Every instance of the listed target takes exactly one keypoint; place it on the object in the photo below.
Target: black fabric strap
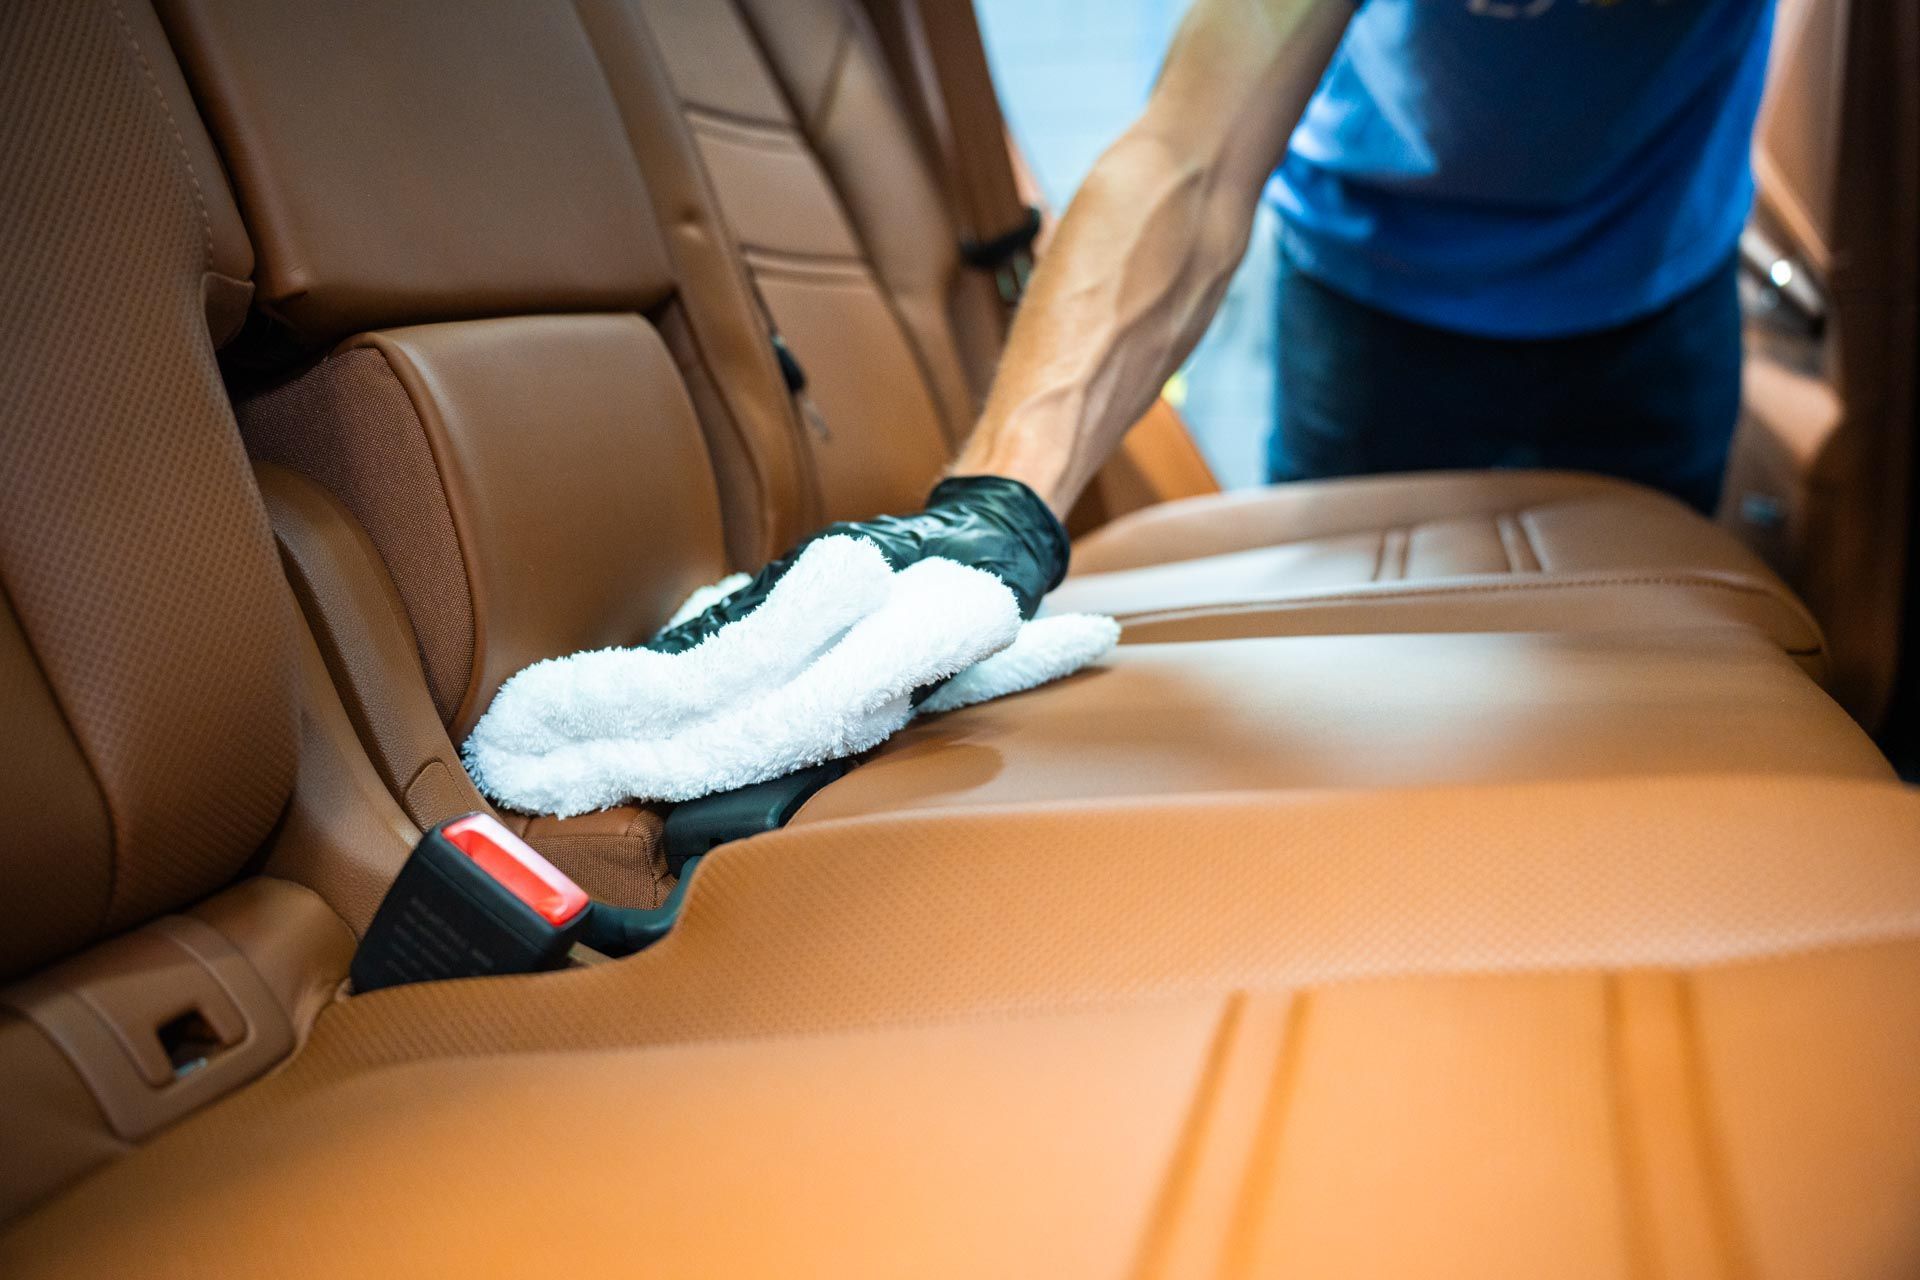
(991, 255)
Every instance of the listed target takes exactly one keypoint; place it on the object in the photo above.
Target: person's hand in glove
(987, 522)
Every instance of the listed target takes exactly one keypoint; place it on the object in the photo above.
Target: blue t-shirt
(1527, 168)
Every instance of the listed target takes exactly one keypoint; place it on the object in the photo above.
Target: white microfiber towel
(611, 694)
(825, 668)
(1046, 650)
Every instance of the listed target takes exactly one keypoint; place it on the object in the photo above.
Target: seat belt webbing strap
(937, 56)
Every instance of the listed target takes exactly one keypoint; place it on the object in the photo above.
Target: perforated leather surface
(1580, 1054)
(1615, 1028)
(347, 424)
(133, 549)
(921, 917)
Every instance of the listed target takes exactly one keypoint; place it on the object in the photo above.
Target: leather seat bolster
(828, 59)
(577, 479)
(918, 916)
(536, 486)
(363, 635)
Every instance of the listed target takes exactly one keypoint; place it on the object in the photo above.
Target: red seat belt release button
(519, 869)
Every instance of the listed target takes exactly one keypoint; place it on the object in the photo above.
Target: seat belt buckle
(472, 900)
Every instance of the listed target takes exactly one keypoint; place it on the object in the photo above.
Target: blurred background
(1072, 74)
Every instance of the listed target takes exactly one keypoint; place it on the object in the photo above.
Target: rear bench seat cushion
(1649, 1026)
(1371, 711)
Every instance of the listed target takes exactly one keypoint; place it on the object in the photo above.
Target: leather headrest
(425, 161)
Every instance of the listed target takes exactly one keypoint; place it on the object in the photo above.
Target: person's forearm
(1149, 245)
(1126, 290)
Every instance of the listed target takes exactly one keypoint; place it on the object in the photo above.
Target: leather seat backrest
(523, 448)
(841, 223)
(147, 637)
(885, 160)
(1820, 476)
(1797, 136)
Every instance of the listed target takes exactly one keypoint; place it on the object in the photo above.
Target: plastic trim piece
(700, 826)
(106, 1010)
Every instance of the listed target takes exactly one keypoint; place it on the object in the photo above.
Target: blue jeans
(1362, 392)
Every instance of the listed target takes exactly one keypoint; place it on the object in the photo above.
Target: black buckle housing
(699, 826)
(447, 917)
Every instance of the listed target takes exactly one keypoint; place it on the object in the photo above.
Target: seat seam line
(1240, 608)
(1476, 588)
(830, 95)
(801, 262)
(1262, 1165)
(1395, 549)
(1190, 1147)
(1716, 1182)
(1146, 522)
(1522, 556)
(1523, 520)
(179, 138)
(1635, 1223)
(769, 131)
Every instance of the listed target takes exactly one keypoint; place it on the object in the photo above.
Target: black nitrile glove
(988, 522)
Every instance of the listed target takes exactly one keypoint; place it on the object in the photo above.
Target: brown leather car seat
(508, 407)
(979, 1042)
(149, 647)
(839, 213)
(534, 484)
